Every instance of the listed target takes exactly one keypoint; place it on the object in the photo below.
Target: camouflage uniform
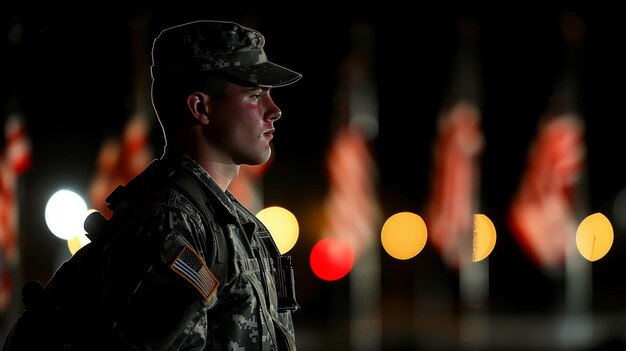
(245, 316)
(148, 280)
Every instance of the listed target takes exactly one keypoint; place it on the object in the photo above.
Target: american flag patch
(192, 268)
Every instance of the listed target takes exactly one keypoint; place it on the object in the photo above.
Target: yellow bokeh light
(404, 235)
(594, 237)
(484, 238)
(75, 243)
(283, 226)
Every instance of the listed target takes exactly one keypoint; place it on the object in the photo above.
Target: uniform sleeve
(158, 283)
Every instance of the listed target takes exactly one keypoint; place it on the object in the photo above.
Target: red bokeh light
(331, 259)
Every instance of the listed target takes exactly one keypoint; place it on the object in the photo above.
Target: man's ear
(198, 104)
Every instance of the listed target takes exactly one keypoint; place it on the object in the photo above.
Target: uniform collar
(223, 198)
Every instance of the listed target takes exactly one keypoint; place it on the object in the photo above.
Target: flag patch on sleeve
(189, 265)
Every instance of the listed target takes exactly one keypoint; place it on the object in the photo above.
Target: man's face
(241, 124)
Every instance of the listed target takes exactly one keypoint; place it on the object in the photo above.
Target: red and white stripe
(352, 210)
(15, 160)
(542, 213)
(8, 212)
(453, 199)
(18, 146)
(136, 150)
(120, 160)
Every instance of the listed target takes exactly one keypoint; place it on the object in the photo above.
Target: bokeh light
(331, 259)
(404, 235)
(594, 237)
(283, 226)
(76, 243)
(484, 239)
(65, 214)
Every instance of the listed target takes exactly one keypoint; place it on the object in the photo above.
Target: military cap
(217, 45)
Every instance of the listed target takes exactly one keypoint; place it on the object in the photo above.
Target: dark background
(71, 75)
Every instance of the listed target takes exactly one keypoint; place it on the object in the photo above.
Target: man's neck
(222, 173)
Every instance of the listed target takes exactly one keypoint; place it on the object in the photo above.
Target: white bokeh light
(65, 214)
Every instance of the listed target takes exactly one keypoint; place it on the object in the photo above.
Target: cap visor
(265, 75)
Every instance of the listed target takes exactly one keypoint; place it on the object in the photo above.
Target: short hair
(169, 95)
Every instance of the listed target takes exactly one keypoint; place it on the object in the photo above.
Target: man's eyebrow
(258, 88)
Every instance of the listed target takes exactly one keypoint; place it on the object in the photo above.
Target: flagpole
(456, 193)
(358, 221)
(577, 326)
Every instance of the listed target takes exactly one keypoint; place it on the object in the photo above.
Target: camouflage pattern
(245, 316)
(217, 45)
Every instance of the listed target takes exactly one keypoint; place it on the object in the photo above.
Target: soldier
(181, 264)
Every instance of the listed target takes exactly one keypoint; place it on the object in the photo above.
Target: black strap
(187, 183)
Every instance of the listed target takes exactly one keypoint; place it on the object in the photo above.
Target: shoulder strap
(186, 183)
